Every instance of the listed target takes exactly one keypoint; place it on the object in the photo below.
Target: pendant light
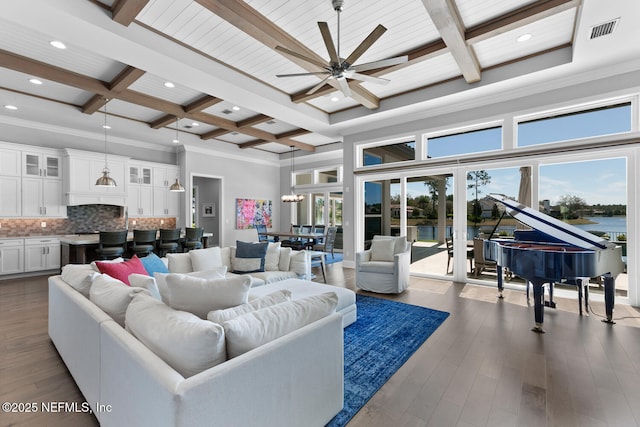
(105, 180)
(176, 187)
(292, 198)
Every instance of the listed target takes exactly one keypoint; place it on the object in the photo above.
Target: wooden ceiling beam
(245, 18)
(446, 18)
(293, 133)
(254, 120)
(254, 143)
(163, 121)
(123, 80)
(214, 134)
(201, 103)
(125, 11)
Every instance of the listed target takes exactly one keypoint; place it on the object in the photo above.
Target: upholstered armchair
(384, 268)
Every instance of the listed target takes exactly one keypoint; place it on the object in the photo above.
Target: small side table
(318, 256)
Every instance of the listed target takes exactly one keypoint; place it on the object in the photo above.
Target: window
(329, 176)
(581, 124)
(303, 178)
(391, 153)
(474, 141)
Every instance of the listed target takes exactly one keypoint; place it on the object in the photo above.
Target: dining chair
(144, 242)
(112, 244)
(169, 241)
(329, 241)
(449, 244)
(192, 238)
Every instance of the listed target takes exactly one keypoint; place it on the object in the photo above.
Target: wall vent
(271, 122)
(226, 111)
(603, 29)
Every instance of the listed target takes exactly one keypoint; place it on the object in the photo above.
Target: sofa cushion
(200, 296)
(285, 259)
(382, 249)
(95, 267)
(249, 257)
(113, 296)
(255, 281)
(145, 282)
(206, 259)
(79, 277)
(179, 263)
(272, 276)
(161, 278)
(256, 328)
(186, 343)
(122, 270)
(298, 262)
(272, 258)
(221, 316)
(153, 263)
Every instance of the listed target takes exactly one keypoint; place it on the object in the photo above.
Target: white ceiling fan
(340, 68)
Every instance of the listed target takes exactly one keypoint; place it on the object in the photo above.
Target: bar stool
(144, 242)
(112, 244)
(169, 241)
(192, 238)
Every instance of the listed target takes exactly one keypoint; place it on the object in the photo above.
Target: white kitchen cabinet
(42, 197)
(165, 202)
(82, 169)
(10, 196)
(141, 175)
(164, 176)
(41, 253)
(10, 162)
(11, 256)
(37, 164)
(140, 200)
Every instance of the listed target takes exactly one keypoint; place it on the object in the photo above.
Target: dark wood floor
(482, 367)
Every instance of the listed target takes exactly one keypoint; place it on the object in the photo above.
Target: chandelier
(292, 197)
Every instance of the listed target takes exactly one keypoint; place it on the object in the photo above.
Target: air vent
(271, 122)
(226, 111)
(234, 133)
(603, 29)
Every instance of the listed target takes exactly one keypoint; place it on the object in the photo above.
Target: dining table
(291, 234)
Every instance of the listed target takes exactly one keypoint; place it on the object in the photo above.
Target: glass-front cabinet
(41, 165)
(140, 175)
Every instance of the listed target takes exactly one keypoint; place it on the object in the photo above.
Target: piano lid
(551, 226)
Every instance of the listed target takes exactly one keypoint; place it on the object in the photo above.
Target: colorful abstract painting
(250, 212)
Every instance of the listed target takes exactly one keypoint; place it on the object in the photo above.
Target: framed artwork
(250, 212)
(208, 209)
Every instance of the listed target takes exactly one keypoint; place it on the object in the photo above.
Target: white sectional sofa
(296, 379)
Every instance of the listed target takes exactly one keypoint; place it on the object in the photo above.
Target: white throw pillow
(256, 328)
(113, 296)
(285, 259)
(272, 258)
(179, 263)
(200, 296)
(187, 344)
(145, 282)
(382, 249)
(205, 259)
(95, 267)
(221, 316)
(225, 254)
(298, 262)
(79, 277)
(161, 278)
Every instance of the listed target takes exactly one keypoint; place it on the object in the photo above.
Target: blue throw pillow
(249, 257)
(153, 264)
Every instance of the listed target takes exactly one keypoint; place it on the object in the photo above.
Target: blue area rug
(385, 335)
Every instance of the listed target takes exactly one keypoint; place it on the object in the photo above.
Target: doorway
(206, 206)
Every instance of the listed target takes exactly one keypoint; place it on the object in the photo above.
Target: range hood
(82, 168)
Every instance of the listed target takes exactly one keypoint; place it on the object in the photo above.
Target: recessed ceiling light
(35, 81)
(335, 99)
(235, 108)
(169, 84)
(106, 127)
(57, 44)
(194, 124)
(176, 141)
(524, 38)
(10, 107)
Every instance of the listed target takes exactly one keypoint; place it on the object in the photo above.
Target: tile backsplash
(80, 219)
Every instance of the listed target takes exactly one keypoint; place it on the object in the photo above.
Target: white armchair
(384, 268)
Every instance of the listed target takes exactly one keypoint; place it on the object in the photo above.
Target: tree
(475, 180)
(572, 205)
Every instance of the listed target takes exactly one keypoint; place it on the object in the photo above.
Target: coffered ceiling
(222, 60)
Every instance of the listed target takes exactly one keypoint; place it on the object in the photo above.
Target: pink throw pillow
(122, 270)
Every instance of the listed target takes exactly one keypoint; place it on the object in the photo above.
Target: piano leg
(538, 305)
(609, 295)
(550, 303)
(500, 284)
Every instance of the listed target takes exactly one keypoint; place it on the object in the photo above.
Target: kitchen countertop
(75, 239)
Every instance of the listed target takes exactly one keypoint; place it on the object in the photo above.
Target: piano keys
(553, 252)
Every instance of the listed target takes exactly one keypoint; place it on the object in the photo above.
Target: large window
(581, 124)
(391, 153)
(474, 141)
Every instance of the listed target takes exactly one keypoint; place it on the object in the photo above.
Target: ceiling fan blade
(328, 42)
(368, 79)
(380, 64)
(366, 44)
(318, 86)
(304, 58)
(344, 86)
(319, 73)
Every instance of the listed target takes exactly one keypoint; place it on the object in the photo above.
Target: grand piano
(552, 251)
